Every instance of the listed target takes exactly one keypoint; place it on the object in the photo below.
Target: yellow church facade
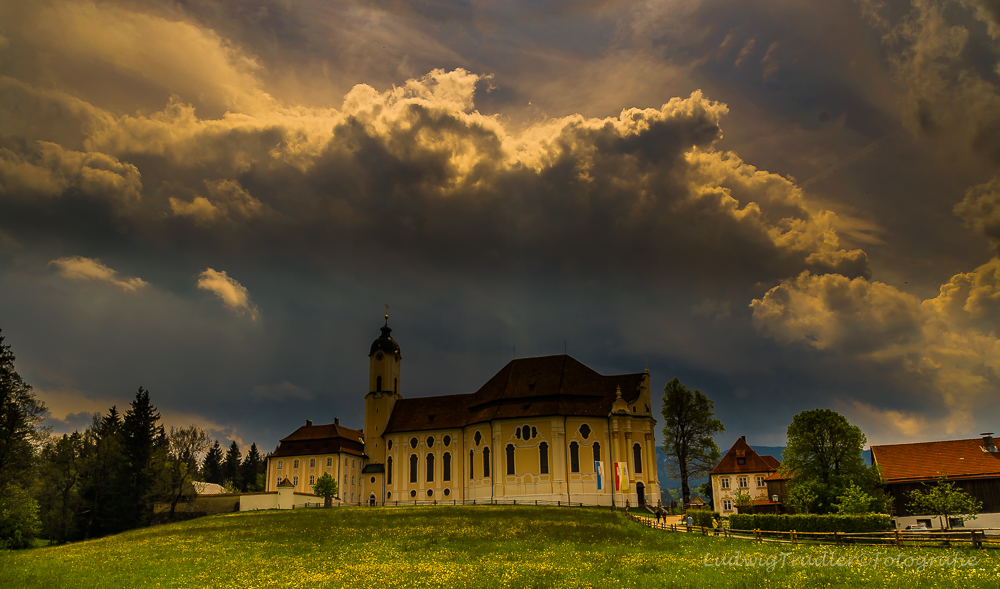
(537, 430)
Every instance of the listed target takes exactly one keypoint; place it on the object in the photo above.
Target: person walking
(689, 521)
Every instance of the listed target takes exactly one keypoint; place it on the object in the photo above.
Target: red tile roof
(923, 461)
(331, 438)
(753, 462)
(525, 387)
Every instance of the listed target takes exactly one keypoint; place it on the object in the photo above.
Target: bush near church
(867, 522)
(703, 517)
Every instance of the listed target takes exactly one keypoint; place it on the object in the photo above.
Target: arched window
(517, 432)
(478, 437)
(534, 432)
(446, 466)
(388, 470)
(597, 452)
(543, 458)
(413, 468)
(378, 383)
(510, 459)
(486, 462)
(430, 468)
(637, 458)
(574, 457)
(472, 464)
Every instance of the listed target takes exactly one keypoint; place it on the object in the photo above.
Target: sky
(786, 205)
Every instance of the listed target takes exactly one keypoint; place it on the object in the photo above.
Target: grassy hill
(474, 546)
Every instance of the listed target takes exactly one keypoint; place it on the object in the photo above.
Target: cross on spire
(387, 313)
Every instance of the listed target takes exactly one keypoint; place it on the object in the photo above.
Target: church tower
(383, 391)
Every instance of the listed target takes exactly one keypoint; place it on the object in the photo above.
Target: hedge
(703, 517)
(868, 522)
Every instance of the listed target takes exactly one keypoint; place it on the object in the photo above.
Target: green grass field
(474, 546)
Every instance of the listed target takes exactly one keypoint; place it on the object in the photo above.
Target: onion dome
(384, 343)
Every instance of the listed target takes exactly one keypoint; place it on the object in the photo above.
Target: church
(546, 428)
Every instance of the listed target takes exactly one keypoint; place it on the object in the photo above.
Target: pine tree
(21, 416)
(142, 440)
(231, 468)
(211, 467)
(102, 468)
(251, 469)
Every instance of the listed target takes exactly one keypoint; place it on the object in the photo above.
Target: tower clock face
(378, 356)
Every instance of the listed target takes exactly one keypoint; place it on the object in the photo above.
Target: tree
(824, 452)
(705, 489)
(102, 470)
(689, 424)
(186, 444)
(211, 468)
(803, 496)
(854, 500)
(21, 416)
(59, 469)
(231, 468)
(945, 501)
(742, 498)
(142, 440)
(253, 466)
(326, 487)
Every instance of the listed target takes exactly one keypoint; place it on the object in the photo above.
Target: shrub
(703, 517)
(868, 522)
(18, 518)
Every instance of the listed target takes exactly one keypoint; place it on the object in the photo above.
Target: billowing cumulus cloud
(232, 294)
(80, 268)
(948, 341)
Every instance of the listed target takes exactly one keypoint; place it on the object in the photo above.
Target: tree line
(105, 479)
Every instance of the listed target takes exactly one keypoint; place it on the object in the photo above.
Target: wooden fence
(976, 538)
(412, 502)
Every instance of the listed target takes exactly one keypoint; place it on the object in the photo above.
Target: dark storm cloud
(260, 172)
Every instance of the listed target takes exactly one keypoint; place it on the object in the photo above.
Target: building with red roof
(742, 469)
(972, 464)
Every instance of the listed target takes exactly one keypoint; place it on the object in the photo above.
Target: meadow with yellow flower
(470, 546)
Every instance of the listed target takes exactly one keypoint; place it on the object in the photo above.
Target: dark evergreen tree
(253, 467)
(143, 444)
(211, 467)
(101, 472)
(232, 467)
(21, 416)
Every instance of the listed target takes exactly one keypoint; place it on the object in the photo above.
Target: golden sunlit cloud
(233, 294)
(80, 268)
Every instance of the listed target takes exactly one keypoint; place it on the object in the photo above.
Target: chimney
(988, 445)
(744, 438)
(336, 421)
(309, 422)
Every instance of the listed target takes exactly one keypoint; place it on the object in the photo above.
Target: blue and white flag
(599, 469)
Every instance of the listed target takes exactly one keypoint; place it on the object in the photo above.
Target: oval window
(585, 431)
(447, 492)
(517, 433)
(388, 495)
(373, 479)
(447, 440)
(388, 445)
(478, 438)
(413, 443)
(525, 432)
(430, 492)
(413, 493)
(430, 441)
